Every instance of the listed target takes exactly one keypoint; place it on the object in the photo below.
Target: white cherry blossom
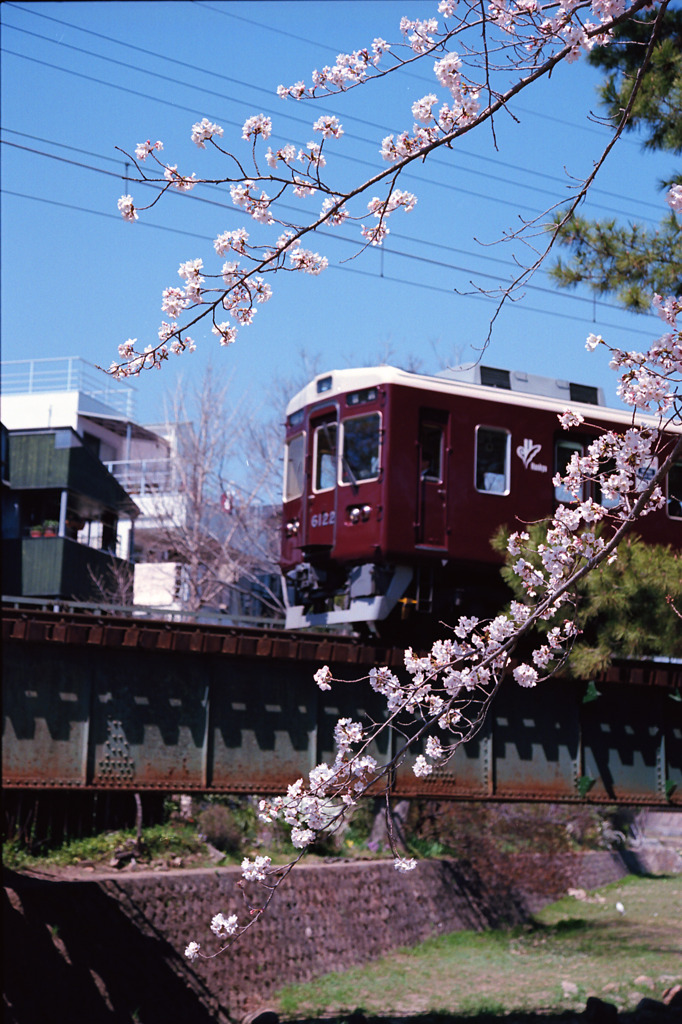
(256, 869)
(127, 208)
(224, 926)
(204, 130)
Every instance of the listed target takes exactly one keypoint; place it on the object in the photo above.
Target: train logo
(527, 452)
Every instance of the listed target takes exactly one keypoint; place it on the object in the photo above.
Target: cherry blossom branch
(454, 120)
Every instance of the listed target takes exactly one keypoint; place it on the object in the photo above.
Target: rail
(136, 612)
(68, 373)
(146, 476)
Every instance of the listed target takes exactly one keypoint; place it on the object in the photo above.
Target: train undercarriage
(403, 604)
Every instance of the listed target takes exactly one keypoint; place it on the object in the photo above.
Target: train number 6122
(323, 519)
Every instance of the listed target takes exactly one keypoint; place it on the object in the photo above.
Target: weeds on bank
(158, 841)
(198, 829)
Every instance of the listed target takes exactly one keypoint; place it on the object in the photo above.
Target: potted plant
(50, 528)
(35, 531)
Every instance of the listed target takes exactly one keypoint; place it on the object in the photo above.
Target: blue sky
(80, 79)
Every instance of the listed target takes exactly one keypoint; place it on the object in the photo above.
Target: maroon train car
(395, 482)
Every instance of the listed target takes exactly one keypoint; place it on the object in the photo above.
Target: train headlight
(293, 526)
(356, 513)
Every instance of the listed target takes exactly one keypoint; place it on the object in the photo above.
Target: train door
(432, 508)
(321, 513)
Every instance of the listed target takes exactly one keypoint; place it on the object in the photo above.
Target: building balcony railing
(70, 373)
(145, 476)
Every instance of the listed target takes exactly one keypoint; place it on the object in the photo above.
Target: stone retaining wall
(124, 935)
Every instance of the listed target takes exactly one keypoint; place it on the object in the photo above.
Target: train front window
(565, 449)
(492, 460)
(325, 457)
(360, 448)
(294, 459)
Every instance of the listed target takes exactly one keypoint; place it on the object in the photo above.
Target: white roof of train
(526, 390)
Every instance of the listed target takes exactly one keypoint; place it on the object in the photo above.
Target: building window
(493, 378)
(492, 460)
(431, 451)
(584, 393)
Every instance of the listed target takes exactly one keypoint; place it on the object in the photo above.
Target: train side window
(360, 448)
(325, 457)
(431, 451)
(562, 456)
(674, 492)
(492, 460)
(294, 460)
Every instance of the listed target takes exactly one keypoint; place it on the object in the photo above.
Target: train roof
(474, 381)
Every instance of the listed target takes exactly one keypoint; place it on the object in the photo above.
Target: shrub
(221, 828)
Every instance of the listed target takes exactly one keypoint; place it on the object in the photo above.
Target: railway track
(129, 631)
(38, 625)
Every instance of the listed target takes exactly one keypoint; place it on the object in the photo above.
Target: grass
(161, 844)
(573, 949)
(159, 841)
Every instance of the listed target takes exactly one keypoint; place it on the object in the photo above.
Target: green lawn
(574, 949)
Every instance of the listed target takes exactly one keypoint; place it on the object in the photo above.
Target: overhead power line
(458, 189)
(163, 57)
(479, 295)
(321, 232)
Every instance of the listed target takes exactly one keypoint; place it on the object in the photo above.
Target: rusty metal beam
(100, 703)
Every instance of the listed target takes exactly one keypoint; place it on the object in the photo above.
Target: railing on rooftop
(70, 373)
(145, 476)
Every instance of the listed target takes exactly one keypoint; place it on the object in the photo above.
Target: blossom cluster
(256, 869)
(224, 926)
(382, 208)
(240, 286)
(203, 131)
(350, 69)
(145, 149)
(432, 126)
